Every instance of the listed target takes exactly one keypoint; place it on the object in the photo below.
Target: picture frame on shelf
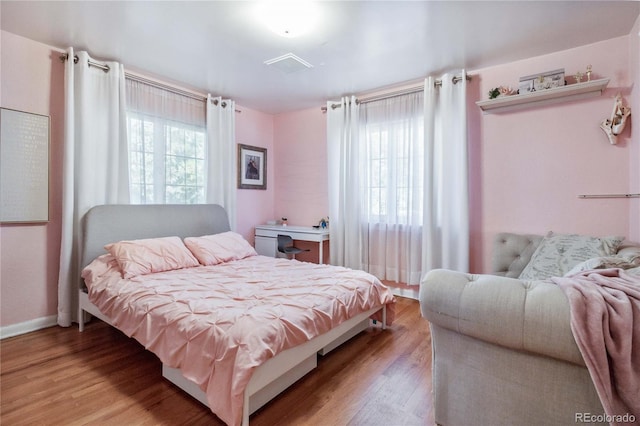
(252, 167)
(541, 81)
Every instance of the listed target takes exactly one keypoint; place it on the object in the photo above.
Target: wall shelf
(609, 196)
(544, 97)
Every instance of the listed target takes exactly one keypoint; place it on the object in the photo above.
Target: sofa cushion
(512, 252)
(531, 316)
(557, 254)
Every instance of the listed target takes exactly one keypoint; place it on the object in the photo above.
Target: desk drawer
(266, 246)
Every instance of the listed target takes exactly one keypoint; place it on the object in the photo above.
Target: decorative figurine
(501, 91)
(589, 72)
(578, 76)
(506, 91)
(613, 126)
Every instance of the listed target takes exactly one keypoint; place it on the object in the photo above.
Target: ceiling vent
(289, 63)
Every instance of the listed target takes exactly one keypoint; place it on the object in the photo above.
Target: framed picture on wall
(252, 167)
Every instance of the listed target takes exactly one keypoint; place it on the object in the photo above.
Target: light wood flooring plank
(59, 376)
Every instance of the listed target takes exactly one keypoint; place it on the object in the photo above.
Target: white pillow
(557, 254)
(623, 262)
(634, 271)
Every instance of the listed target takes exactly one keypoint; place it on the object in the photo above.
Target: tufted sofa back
(512, 252)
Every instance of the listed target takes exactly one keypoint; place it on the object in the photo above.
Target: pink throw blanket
(218, 323)
(605, 320)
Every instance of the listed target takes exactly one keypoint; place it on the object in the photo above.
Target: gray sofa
(503, 350)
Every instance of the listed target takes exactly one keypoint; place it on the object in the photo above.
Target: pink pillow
(140, 257)
(219, 248)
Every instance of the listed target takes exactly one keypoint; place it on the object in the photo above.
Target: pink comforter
(217, 323)
(605, 321)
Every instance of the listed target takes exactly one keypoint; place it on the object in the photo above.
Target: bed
(259, 292)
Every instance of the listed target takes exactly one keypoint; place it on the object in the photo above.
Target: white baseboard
(27, 326)
(409, 293)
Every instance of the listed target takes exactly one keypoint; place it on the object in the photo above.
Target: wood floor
(59, 376)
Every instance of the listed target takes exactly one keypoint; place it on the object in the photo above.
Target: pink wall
(301, 163)
(256, 206)
(535, 162)
(527, 167)
(33, 81)
(301, 172)
(634, 152)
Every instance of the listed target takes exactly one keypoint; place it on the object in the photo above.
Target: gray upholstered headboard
(512, 252)
(112, 223)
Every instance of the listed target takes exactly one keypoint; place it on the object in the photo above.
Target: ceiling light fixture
(288, 18)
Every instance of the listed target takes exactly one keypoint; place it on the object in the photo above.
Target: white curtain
(446, 207)
(221, 167)
(398, 182)
(95, 165)
(346, 169)
(394, 137)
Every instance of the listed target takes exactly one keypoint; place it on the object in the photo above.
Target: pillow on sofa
(623, 262)
(557, 254)
(634, 271)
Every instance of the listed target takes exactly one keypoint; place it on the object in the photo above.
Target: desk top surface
(294, 228)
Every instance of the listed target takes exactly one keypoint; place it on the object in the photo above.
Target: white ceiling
(358, 46)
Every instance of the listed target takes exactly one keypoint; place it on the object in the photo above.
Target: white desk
(267, 237)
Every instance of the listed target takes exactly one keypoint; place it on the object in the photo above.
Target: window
(166, 134)
(395, 165)
(166, 161)
(392, 132)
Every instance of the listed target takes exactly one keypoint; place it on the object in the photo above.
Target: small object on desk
(284, 221)
(316, 226)
(324, 222)
(271, 222)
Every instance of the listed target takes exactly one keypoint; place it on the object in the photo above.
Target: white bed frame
(105, 224)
